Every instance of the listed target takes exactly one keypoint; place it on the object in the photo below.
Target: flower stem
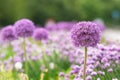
(11, 50)
(25, 56)
(85, 61)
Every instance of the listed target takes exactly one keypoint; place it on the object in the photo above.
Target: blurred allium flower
(40, 34)
(61, 74)
(50, 25)
(7, 33)
(85, 34)
(89, 78)
(65, 25)
(100, 23)
(24, 28)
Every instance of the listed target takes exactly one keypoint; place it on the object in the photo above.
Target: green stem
(85, 61)
(25, 56)
(44, 55)
(13, 63)
(11, 50)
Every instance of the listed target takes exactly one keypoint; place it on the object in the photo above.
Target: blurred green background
(59, 10)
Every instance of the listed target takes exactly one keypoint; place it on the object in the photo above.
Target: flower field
(57, 51)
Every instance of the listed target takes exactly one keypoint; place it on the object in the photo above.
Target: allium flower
(65, 25)
(89, 78)
(7, 33)
(85, 34)
(24, 28)
(61, 74)
(40, 34)
(50, 25)
(93, 73)
(100, 23)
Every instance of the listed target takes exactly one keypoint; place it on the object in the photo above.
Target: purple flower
(93, 73)
(89, 78)
(65, 25)
(100, 23)
(85, 34)
(40, 34)
(7, 33)
(50, 25)
(61, 74)
(24, 28)
(110, 70)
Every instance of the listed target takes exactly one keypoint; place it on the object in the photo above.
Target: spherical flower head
(85, 34)
(40, 34)
(24, 28)
(8, 34)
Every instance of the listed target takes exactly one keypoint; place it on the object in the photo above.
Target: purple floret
(85, 34)
(24, 28)
(40, 34)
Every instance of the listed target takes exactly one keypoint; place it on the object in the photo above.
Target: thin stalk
(43, 54)
(85, 62)
(25, 56)
(11, 50)
(13, 63)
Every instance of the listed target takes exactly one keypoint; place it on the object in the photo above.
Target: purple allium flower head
(8, 34)
(40, 34)
(24, 28)
(85, 34)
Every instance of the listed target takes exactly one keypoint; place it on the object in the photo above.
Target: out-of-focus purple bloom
(101, 73)
(40, 34)
(89, 78)
(50, 25)
(100, 23)
(59, 26)
(61, 74)
(8, 34)
(110, 70)
(17, 59)
(85, 34)
(24, 28)
(93, 73)
(65, 25)
(104, 60)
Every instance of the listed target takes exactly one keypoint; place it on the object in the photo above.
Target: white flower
(51, 65)
(18, 65)
(98, 78)
(114, 79)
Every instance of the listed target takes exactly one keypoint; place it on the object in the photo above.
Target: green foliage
(40, 10)
(7, 75)
(59, 65)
